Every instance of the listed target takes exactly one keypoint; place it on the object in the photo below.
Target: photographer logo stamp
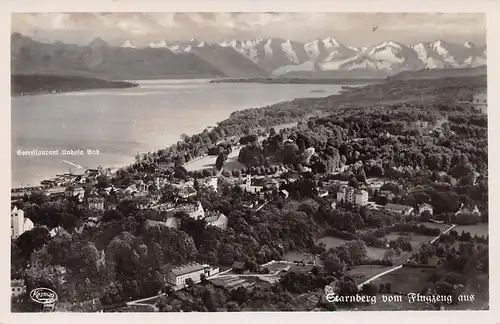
(43, 296)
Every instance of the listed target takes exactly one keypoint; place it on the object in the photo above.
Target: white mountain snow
(128, 44)
(280, 56)
(159, 44)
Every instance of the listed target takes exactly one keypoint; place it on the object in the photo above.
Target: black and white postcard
(179, 161)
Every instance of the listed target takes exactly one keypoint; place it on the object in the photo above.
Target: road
(402, 261)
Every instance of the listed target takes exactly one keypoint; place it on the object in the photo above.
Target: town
(266, 212)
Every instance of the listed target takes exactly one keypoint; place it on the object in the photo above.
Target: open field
(478, 229)
(208, 162)
(416, 240)
(331, 242)
(406, 280)
(364, 272)
(375, 253)
(441, 227)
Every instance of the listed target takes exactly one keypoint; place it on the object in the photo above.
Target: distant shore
(299, 81)
(24, 84)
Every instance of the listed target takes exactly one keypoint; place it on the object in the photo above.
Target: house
(345, 194)
(292, 176)
(173, 222)
(96, 203)
(216, 219)
(194, 211)
(352, 196)
(361, 198)
(210, 271)
(285, 193)
(75, 192)
(55, 191)
(399, 209)
(211, 182)
(48, 183)
(89, 306)
(187, 192)
(239, 267)
(229, 283)
(18, 287)
(55, 231)
(468, 210)
(130, 189)
(308, 153)
(252, 186)
(18, 223)
(91, 172)
(271, 184)
(425, 207)
(177, 276)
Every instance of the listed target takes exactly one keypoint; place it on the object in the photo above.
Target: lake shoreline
(41, 84)
(22, 182)
(300, 81)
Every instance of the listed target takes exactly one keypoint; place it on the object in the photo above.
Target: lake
(119, 123)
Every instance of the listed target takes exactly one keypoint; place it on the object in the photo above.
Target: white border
(492, 8)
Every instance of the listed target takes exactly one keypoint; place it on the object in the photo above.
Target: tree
(353, 182)
(103, 181)
(332, 263)
(219, 163)
(347, 287)
(369, 289)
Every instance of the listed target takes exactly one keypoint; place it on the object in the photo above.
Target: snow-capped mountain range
(285, 57)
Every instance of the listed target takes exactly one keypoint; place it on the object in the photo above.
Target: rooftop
(184, 269)
(397, 207)
(238, 265)
(213, 216)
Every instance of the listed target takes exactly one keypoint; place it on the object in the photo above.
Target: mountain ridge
(276, 57)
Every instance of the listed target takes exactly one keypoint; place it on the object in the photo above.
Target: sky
(352, 29)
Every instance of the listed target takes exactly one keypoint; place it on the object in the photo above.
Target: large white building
(352, 196)
(425, 207)
(217, 219)
(18, 287)
(96, 203)
(18, 223)
(399, 209)
(251, 187)
(177, 276)
(361, 198)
